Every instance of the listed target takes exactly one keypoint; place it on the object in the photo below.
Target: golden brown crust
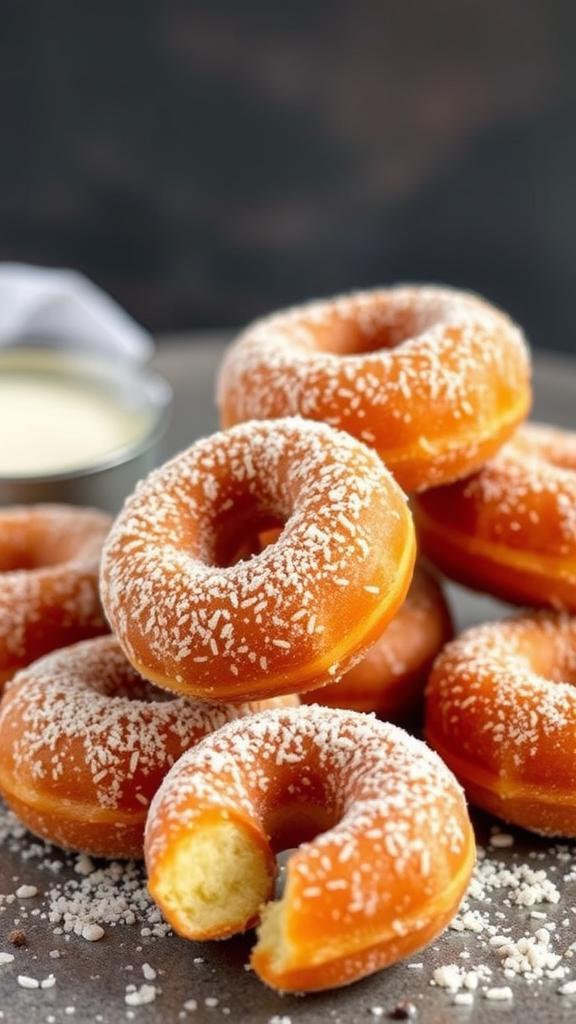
(85, 742)
(386, 853)
(501, 711)
(510, 528)
(433, 378)
(49, 580)
(196, 619)
(390, 678)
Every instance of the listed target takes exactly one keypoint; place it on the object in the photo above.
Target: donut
(194, 618)
(501, 712)
(433, 378)
(49, 580)
(85, 743)
(390, 678)
(382, 845)
(509, 530)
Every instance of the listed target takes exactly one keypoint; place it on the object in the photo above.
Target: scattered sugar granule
(501, 840)
(448, 976)
(568, 988)
(25, 981)
(464, 998)
(92, 932)
(499, 994)
(140, 996)
(26, 892)
(84, 864)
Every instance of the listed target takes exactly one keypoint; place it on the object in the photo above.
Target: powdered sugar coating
(372, 778)
(49, 568)
(293, 615)
(501, 709)
(534, 473)
(85, 742)
(511, 527)
(393, 833)
(432, 377)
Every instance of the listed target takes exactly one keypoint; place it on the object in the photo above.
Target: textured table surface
(522, 903)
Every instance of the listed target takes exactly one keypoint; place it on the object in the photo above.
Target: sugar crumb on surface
(512, 934)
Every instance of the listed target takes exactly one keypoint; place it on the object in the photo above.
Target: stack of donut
(291, 560)
(500, 705)
(438, 382)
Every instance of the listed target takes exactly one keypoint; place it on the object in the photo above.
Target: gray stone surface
(102, 982)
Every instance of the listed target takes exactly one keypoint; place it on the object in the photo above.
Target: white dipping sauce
(50, 425)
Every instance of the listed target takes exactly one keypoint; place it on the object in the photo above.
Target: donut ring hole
(41, 545)
(301, 810)
(543, 445)
(346, 337)
(356, 329)
(239, 516)
(549, 659)
(242, 536)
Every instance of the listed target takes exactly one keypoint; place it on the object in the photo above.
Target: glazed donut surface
(49, 569)
(510, 529)
(195, 619)
(387, 846)
(501, 712)
(390, 678)
(85, 743)
(433, 378)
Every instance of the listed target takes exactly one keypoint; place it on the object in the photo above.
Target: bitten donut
(390, 678)
(386, 852)
(510, 529)
(85, 743)
(294, 615)
(433, 378)
(501, 712)
(49, 578)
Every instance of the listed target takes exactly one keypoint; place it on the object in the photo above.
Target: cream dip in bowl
(77, 427)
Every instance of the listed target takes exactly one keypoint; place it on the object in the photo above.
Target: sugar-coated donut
(85, 743)
(501, 712)
(433, 378)
(390, 678)
(510, 529)
(386, 852)
(49, 568)
(291, 617)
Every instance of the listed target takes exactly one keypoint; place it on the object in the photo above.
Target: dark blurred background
(206, 163)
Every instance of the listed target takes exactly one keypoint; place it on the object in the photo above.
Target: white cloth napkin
(59, 305)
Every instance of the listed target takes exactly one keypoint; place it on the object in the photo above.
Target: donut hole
(384, 326)
(240, 538)
(223, 872)
(38, 544)
(553, 666)
(291, 825)
(543, 648)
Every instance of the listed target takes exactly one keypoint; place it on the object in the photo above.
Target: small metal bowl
(77, 428)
